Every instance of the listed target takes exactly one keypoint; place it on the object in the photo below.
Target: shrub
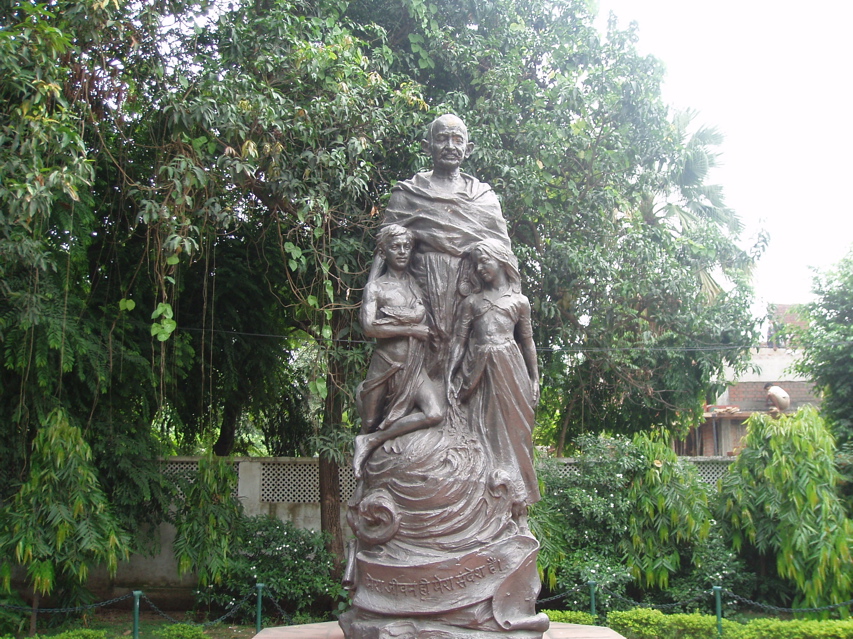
(780, 498)
(643, 623)
(639, 623)
(697, 626)
(12, 621)
(582, 516)
(206, 521)
(669, 513)
(81, 633)
(798, 629)
(714, 563)
(181, 631)
(292, 563)
(626, 511)
(571, 616)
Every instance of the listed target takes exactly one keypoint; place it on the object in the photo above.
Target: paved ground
(331, 630)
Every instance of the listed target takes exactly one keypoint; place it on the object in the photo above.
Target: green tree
(606, 197)
(827, 346)
(627, 513)
(224, 172)
(207, 521)
(779, 504)
(59, 522)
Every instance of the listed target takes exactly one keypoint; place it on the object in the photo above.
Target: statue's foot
(363, 446)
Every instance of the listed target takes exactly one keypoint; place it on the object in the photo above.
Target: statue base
(413, 628)
(331, 630)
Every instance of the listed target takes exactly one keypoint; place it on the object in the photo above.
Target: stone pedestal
(331, 630)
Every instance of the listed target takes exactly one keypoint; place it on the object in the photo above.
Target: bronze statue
(444, 459)
(448, 211)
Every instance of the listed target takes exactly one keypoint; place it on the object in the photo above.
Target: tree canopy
(190, 190)
(827, 346)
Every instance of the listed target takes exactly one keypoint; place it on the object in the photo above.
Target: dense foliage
(827, 346)
(780, 504)
(292, 563)
(630, 516)
(642, 623)
(59, 523)
(189, 192)
(207, 521)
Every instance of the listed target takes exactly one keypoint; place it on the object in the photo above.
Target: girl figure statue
(499, 382)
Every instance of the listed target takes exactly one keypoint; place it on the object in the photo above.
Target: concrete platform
(331, 630)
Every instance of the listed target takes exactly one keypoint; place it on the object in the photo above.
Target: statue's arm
(380, 328)
(459, 342)
(524, 337)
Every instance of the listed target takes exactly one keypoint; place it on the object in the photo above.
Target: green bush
(669, 514)
(698, 626)
(12, 621)
(626, 513)
(181, 631)
(798, 629)
(780, 505)
(292, 563)
(582, 517)
(644, 623)
(713, 563)
(571, 616)
(81, 633)
(639, 623)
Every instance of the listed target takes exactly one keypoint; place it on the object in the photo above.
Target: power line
(556, 349)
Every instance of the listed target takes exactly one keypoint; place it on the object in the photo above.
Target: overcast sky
(775, 78)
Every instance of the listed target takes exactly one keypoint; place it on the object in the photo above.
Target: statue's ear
(425, 146)
(469, 149)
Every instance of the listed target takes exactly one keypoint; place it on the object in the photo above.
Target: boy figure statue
(393, 313)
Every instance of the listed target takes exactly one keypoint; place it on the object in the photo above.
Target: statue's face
(448, 144)
(397, 251)
(488, 268)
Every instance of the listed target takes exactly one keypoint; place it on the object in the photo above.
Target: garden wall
(284, 487)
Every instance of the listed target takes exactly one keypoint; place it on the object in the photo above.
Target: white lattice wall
(280, 480)
(290, 487)
(710, 469)
(184, 469)
(296, 481)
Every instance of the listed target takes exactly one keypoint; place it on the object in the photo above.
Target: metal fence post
(260, 589)
(591, 585)
(718, 591)
(136, 595)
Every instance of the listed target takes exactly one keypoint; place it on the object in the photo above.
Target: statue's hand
(451, 391)
(420, 331)
(535, 392)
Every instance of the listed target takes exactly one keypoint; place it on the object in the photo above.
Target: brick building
(723, 429)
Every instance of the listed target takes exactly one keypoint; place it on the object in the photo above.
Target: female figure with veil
(499, 382)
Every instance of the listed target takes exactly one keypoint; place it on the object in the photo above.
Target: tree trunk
(330, 483)
(35, 613)
(224, 445)
(330, 511)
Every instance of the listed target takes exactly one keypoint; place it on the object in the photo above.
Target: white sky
(775, 78)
